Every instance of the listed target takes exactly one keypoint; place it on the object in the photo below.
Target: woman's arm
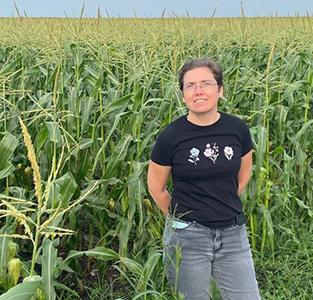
(245, 171)
(157, 179)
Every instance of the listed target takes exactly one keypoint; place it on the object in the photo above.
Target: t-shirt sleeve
(162, 152)
(246, 139)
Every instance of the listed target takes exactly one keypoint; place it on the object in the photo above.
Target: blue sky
(150, 8)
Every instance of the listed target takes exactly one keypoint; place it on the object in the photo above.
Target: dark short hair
(212, 65)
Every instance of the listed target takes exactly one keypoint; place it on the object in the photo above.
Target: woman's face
(200, 91)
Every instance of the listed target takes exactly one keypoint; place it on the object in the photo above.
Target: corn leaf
(4, 242)
(49, 264)
(22, 291)
(7, 146)
(98, 252)
(54, 132)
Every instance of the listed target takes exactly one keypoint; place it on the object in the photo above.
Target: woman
(209, 155)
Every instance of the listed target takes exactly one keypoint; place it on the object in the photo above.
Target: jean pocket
(180, 225)
(173, 229)
(176, 223)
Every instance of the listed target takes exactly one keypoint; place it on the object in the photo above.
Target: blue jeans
(196, 253)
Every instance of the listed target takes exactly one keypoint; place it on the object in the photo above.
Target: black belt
(238, 220)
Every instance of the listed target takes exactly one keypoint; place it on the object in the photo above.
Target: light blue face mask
(179, 225)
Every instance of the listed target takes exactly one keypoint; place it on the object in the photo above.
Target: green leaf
(61, 286)
(7, 146)
(261, 148)
(62, 190)
(119, 105)
(304, 206)
(8, 169)
(68, 187)
(124, 228)
(150, 266)
(11, 66)
(41, 138)
(136, 189)
(83, 164)
(118, 118)
(118, 155)
(54, 132)
(154, 293)
(133, 266)
(49, 264)
(4, 246)
(86, 112)
(4, 242)
(72, 107)
(22, 291)
(85, 143)
(98, 252)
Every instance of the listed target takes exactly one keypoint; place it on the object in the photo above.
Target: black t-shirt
(205, 162)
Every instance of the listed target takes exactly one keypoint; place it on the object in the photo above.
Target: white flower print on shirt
(194, 156)
(212, 152)
(228, 152)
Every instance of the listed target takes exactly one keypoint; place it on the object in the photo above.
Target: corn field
(81, 104)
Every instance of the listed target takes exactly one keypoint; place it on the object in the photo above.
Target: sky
(155, 8)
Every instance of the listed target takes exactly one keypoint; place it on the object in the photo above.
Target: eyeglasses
(204, 85)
